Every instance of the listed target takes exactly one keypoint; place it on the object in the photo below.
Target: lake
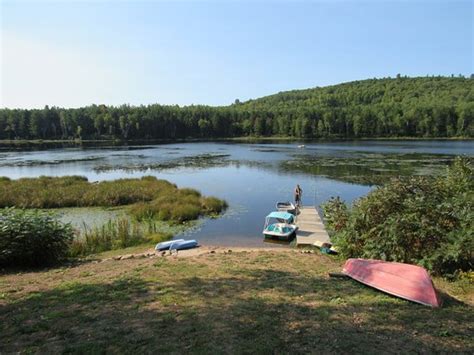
(251, 177)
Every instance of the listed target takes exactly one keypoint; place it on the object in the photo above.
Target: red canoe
(402, 280)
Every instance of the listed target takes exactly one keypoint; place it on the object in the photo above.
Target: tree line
(388, 107)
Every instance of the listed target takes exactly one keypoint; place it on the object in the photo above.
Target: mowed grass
(257, 301)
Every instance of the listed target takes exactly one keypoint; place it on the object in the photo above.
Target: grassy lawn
(255, 301)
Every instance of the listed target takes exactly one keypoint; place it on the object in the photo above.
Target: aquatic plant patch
(202, 161)
(32, 162)
(367, 168)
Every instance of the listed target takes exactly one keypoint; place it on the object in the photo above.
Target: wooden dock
(311, 230)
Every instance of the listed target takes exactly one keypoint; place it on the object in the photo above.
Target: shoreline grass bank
(147, 202)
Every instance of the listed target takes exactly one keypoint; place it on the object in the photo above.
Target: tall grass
(77, 191)
(184, 205)
(115, 234)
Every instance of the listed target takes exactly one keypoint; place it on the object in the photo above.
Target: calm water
(251, 177)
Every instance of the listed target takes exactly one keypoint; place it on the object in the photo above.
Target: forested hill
(408, 91)
(425, 106)
(399, 107)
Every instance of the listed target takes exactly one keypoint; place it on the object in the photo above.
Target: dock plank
(311, 230)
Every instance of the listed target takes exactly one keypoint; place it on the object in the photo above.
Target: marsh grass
(153, 198)
(77, 191)
(184, 205)
(148, 200)
(117, 234)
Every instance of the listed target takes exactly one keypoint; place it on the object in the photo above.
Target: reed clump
(116, 234)
(184, 205)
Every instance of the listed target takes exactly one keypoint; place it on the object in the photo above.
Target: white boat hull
(286, 207)
(281, 231)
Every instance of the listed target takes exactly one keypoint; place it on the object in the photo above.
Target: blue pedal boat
(280, 225)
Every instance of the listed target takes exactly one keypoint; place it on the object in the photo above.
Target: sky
(76, 53)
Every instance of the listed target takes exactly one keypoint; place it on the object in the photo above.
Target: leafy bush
(32, 238)
(335, 214)
(421, 220)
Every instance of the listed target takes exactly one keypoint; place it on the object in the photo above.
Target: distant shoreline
(15, 142)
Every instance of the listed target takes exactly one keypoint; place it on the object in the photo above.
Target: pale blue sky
(73, 54)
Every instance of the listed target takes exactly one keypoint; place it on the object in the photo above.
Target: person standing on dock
(298, 194)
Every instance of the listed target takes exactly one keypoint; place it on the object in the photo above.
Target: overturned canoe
(406, 281)
(177, 244)
(166, 245)
(184, 244)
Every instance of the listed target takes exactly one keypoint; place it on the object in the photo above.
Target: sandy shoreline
(201, 250)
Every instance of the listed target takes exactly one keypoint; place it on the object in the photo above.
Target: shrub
(426, 221)
(335, 214)
(32, 238)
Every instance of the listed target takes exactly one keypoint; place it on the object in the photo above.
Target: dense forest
(389, 107)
